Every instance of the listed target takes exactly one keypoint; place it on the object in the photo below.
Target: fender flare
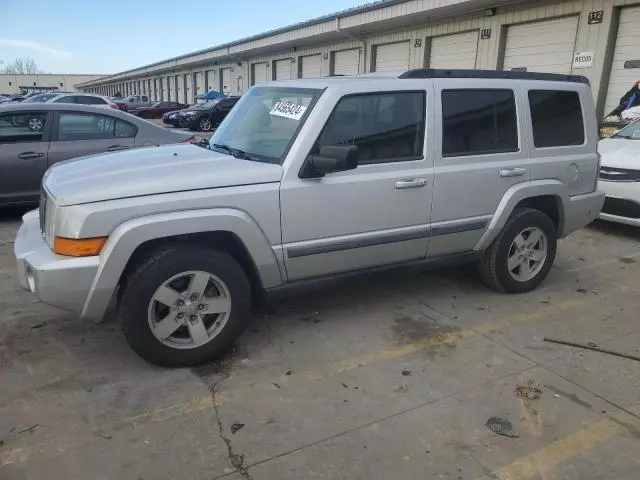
(129, 235)
(516, 194)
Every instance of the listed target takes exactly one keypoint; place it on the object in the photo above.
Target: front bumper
(61, 281)
(581, 210)
(622, 204)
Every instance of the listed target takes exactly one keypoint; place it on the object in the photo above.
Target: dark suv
(207, 116)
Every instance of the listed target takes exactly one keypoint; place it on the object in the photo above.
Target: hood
(620, 153)
(152, 170)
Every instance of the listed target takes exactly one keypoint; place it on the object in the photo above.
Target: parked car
(35, 136)
(133, 101)
(306, 180)
(620, 175)
(84, 99)
(207, 116)
(157, 110)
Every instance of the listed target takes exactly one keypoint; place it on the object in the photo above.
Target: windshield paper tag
(288, 110)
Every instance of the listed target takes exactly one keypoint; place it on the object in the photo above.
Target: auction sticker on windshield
(288, 110)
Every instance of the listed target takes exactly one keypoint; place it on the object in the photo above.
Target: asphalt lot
(390, 376)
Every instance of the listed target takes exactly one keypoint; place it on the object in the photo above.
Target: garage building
(595, 38)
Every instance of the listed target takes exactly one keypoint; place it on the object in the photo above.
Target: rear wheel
(185, 305)
(522, 254)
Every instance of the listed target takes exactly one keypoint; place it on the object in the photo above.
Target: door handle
(512, 172)
(29, 155)
(115, 148)
(411, 183)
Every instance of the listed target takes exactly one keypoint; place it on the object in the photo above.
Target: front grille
(619, 174)
(621, 207)
(42, 213)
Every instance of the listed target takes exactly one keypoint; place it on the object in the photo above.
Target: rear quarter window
(556, 118)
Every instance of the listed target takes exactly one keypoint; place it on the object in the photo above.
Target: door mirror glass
(332, 158)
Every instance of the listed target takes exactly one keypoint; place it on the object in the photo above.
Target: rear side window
(477, 122)
(87, 126)
(386, 127)
(556, 117)
(93, 101)
(125, 130)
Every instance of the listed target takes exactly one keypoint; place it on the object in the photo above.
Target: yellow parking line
(23, 454)
(562, 450)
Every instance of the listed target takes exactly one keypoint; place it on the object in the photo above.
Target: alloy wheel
(189, 310)
(527, 254)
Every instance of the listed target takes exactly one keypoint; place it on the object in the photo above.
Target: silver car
(35, 136)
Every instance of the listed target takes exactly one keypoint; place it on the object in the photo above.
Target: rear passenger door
(78, 133)
(481, 152)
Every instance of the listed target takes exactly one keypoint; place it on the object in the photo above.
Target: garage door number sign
(583, 60)
(595, 17)
(288, 110)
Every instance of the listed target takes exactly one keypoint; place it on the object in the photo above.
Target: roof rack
(498, 74)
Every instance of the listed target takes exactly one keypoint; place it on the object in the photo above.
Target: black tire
(159, 266)
(204, 125)
(493, 265)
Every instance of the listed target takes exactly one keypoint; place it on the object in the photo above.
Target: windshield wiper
(236, 152)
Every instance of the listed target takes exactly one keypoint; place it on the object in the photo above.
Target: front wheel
(36, 124)
(522, 254)
(185, 305)
(204, 125)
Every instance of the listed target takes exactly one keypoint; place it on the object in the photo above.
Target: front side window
(556, 117)
(386, 127)
(86, 126)
(264, 123)
(478, 121)
(22, 127)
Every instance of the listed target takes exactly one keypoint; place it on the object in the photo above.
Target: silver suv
(311, 179)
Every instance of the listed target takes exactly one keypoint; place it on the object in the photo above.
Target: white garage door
(392, 57)
(627, 48)
(454, 51)
(211, 80)
(545, 46)
(259, 73)
(200, 86)
(188, 81)
(311, 66)
(283, 69)
(346, 62)
(225, 84)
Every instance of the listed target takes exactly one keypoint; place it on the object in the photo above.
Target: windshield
(264, 123)
(630, 132)
(43, 97)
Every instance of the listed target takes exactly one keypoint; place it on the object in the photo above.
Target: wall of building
(383, 26)
(15, 84)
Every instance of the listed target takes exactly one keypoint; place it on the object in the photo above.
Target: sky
(80, 36)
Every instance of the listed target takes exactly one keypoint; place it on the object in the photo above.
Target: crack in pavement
(236, 459)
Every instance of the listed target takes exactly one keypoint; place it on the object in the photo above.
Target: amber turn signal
(78, 247)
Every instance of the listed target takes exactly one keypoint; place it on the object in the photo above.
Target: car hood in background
(149, 171)
(620, 153)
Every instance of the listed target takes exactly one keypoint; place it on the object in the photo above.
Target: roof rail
(499, 74)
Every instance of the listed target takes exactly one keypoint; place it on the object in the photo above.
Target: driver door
(376, 214)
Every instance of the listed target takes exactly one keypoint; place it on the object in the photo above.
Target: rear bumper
(581, 210)
(61, 281)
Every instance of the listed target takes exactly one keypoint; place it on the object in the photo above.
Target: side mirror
(331, 158)
(203, 143)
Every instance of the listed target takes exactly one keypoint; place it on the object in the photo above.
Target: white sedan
(83, 99)
(620, 175)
